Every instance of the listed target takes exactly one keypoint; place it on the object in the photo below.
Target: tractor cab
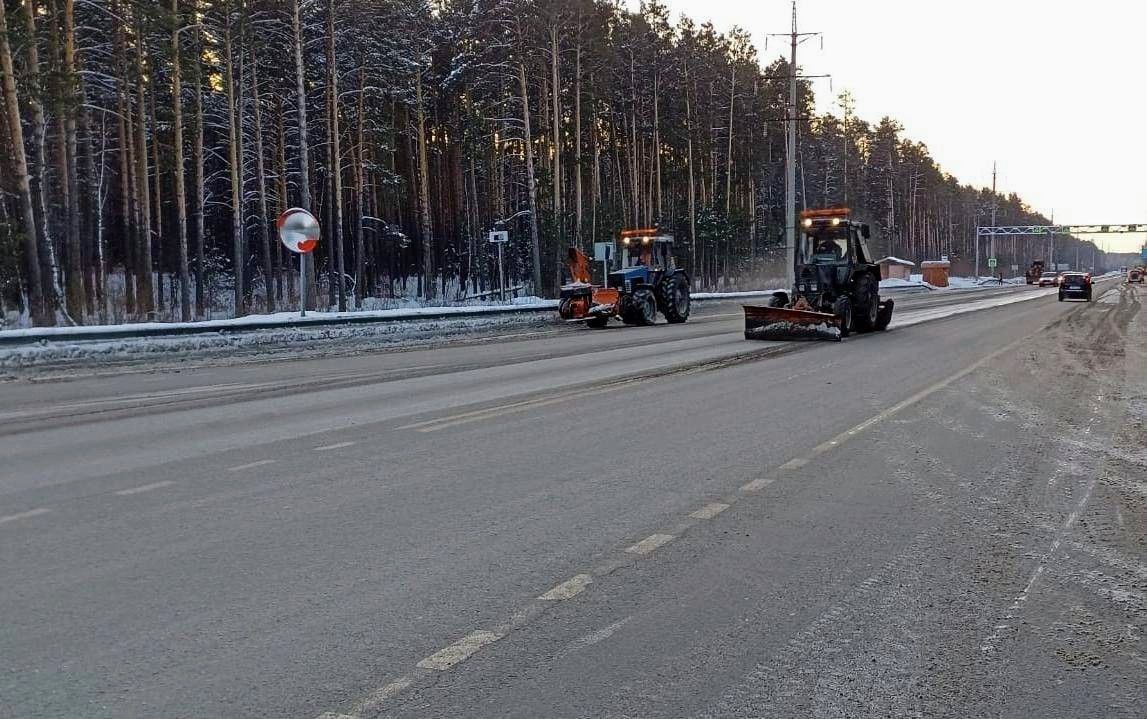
(646, 256)
(829, 237)
(832, 253)
(646, 248)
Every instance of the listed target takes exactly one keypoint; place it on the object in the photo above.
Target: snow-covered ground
(286, 342)
(954, 283)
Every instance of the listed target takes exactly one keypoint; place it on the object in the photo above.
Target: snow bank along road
(947, 519)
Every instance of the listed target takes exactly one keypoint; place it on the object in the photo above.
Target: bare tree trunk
(360, 182)
(75, 275)
(157, 196)
(125, 164)
(692, 189)
(283, 199)
(304, 156)
(336, 154)
(50, 269)
(555, 94)
(577, 146)
(729, 157)
(424, 193)
(261, 177)
(180, 190)
(98, 184)
(657, 140)
(531, 181)
(237, 254)
(145, 296)
(200, 224)
(41, 314)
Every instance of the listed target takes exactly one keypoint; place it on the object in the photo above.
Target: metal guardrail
(12, 338)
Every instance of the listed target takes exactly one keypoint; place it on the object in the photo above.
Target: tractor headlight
(807, 222)
(625, 241)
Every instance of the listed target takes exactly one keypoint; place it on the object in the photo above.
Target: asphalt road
(947, 519)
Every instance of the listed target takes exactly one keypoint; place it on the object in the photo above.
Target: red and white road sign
(298, 230)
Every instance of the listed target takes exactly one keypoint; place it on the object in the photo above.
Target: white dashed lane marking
(569, 588)
(709, 510)
(251, 465)
(650, 543)
(24, 515)
(459, 651)
(757, 484)
(795, 463)
(144, 488)
(329, 447)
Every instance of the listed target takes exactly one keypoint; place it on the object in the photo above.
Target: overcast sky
(1055, 91)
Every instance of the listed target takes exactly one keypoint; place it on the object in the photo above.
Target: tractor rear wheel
(884, 316)
(842, 308)
(639, 308)
(674, 296)
(868, 304)
(597, 322)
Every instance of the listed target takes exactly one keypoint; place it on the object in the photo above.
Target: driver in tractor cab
(828, 249)
(640, 255)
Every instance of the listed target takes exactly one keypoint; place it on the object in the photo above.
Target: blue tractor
(648, 282)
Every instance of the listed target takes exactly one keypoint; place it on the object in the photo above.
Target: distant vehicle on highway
(1075, 286)
(1048, 279)
(1033, 272)
(1135, 274)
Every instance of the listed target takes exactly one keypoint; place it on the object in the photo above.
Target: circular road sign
(298, 230)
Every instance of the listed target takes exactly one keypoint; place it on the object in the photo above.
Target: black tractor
(837, 286)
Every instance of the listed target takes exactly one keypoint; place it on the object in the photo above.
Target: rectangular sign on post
(992, 262)
(1015, 268)
(500, 236)
(1063, 266)
(603, 251)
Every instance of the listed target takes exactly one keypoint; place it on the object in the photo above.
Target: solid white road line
(24, 515)
(459, 651)
(650, 543)
(709, 510)
(144, 488)
(251, 465)
(329, 447)
(757, 484)
(569, 588)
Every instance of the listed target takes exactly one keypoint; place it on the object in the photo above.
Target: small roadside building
(936, 272)
(895, 268)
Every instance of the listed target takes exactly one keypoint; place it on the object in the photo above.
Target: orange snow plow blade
(781, 324)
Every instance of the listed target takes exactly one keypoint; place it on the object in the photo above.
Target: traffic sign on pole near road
(299, 233)
(992, 262)
(500, 238)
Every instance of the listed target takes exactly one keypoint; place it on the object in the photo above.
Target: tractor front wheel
(639, 308)
(597, 322)
(675, 302)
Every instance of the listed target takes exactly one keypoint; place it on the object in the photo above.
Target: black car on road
(1075, 286)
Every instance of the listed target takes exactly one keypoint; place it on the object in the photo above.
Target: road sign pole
(299, 233)
(501, 275)
(303, 284)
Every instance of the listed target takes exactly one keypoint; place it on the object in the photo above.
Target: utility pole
(1051, 244)
(995, 206)
(795, 38)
